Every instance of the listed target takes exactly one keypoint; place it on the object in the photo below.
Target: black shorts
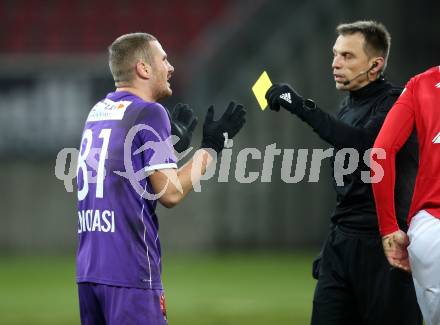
(356, 285)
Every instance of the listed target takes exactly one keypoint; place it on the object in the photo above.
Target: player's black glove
(284, 95)
(183, 123)
(231, 122)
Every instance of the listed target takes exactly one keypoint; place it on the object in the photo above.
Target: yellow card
(260, 88)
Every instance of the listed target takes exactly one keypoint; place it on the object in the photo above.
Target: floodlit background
(234, 253)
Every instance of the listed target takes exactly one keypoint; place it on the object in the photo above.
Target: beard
(163, 92)
(161, 84)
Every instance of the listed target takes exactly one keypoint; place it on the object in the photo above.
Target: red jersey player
(419, 251)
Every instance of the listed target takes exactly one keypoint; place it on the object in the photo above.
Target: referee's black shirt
(357, 124)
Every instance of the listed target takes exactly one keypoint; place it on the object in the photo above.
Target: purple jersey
(124, 139)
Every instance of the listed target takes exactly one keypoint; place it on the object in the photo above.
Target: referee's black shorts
(357, 286)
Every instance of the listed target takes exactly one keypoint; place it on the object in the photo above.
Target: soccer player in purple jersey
(127, 164)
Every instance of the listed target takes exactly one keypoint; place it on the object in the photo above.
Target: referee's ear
(377, 66)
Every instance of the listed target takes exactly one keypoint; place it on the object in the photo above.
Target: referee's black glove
(284, 95)
(183, 123)
(230, 122)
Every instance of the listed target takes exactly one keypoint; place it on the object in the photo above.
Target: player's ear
(143, 70)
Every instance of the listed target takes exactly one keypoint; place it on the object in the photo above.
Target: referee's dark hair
(377, 38)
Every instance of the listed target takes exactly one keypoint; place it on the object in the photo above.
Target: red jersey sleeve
(396, 129)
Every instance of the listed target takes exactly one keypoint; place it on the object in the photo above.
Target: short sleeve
(154, 141)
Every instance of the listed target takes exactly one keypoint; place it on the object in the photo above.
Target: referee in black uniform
(355, 284)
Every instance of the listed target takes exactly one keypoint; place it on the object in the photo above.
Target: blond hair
(125, 52)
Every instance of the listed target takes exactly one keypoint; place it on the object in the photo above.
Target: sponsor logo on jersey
(108, 110)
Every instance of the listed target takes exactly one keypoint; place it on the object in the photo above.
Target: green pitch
(200, 289)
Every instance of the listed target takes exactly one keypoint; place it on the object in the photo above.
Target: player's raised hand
(395, 248)
(283, 95)
(230, 122)
(183, 123)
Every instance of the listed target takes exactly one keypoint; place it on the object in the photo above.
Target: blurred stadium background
(234, 253)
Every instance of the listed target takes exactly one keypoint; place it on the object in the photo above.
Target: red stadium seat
(65, 26)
